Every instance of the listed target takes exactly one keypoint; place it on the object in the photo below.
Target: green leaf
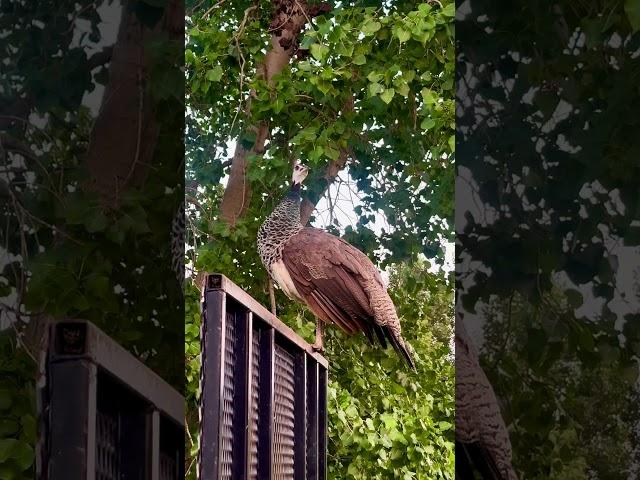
(97, 285)
(401, 86)
(427, 123)
(359, 59)
(374, 77)
(444, 426)
(375, 88)
(574, 297)
(409, 75)
(371, 27)
(630, 374)
(403, 35)
(28, 423)
(308, 40)
(449, 10)
(389, 420)
(96, 223)
(7, 447)
(632, 9)
(215, 74)
(316, 153)
(278, 104)
(8, 427)
(5, 399)
(324, 26)
(351, 411)
(81, 303)
(23, 455)
(452, 143)
(387, 95)
(429, 96)
(319, 51)
(345, 49)
(332, 153)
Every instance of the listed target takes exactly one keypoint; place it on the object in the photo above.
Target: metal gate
(263, 393)
(105, 415)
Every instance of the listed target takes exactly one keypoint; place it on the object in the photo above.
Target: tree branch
(101, 58)
(309, 204)
(7, 142)
(333, 169)
(290, 17)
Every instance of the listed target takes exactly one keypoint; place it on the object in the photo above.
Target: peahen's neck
(279, 227)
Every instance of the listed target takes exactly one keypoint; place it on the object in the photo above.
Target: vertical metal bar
(265, 409)
(153, 444)
(92, 408)
(134, 444)
(242, 394)
(312, 420)
(300, 410)
(72, 420)
(248, 360)
(322, 423)
(213, 331)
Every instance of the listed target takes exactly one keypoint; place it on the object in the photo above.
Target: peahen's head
(300, 172)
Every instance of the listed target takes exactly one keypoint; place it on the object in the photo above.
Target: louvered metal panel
(269, 377)
(228, 389)
(168, 467)
(255, 399)
(283, 415)
(107, 448)
(312, 422)
(322, 423)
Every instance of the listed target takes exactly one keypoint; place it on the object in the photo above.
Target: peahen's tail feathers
(401, 346)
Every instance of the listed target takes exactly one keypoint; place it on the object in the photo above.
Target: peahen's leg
(318, 346)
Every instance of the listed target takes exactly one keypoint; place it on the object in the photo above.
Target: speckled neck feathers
(279, 227)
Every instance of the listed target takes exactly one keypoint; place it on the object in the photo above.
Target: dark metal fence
(263, 405)
(105, 415)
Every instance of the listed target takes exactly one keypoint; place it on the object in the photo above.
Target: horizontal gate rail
(263, 392)
(105, 415)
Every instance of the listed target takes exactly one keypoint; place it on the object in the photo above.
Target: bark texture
(124, 136)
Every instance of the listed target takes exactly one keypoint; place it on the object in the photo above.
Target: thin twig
(216, 5)
(243, 61)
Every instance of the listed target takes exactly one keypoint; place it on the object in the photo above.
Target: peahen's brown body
(338, 283)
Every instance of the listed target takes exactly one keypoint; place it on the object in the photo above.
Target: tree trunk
(124, 136)
(288, 21)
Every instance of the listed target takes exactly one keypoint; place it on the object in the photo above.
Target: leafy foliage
(574, 401)
(17, 413)
(548, 220)
(67, 253)
(374, 85)
(383, 419)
